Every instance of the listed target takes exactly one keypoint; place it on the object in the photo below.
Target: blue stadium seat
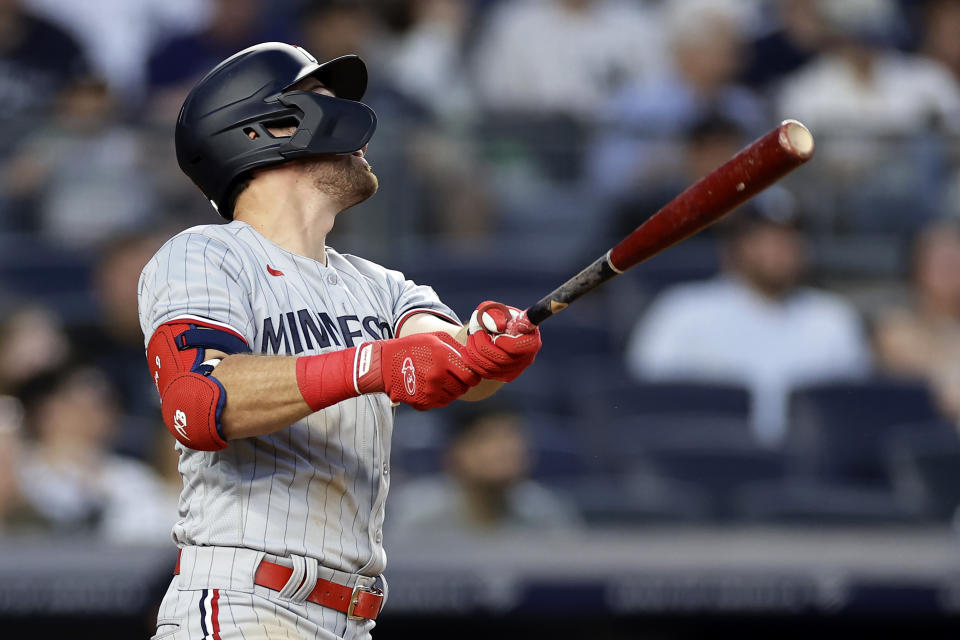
(417, 443)
(53, 276)
(605, 500)
(838, 430)
(637, 434)
(925, 468)
(716, 471)
(609, 392)
(693, 259)
(711, 454)
(568, 346)
(558, 448)
(819, 503)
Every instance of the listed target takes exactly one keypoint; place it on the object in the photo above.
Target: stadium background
(516, 139)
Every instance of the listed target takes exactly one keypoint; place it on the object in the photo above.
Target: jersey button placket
(332, 278)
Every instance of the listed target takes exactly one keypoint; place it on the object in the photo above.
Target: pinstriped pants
(214, 598)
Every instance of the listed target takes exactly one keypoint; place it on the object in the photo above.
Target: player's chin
(369, 184)
(362, 175)
(360, 182)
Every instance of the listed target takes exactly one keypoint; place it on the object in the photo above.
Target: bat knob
(520, 324)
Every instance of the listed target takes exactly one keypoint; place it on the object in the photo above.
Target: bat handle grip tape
(520, 324)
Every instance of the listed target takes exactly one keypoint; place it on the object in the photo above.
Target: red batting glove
(496, 355)
(424, 370)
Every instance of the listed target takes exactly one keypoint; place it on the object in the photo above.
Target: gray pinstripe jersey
(316, 488)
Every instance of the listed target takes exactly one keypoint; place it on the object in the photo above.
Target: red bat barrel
(756, 167)
(745, 175)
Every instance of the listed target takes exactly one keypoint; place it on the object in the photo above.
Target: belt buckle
(355, 600)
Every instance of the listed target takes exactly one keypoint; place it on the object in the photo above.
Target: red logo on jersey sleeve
(274, 272)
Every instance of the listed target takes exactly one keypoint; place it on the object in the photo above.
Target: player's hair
(238, 188)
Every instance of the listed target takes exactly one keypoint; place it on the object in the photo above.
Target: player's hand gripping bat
(756, 167)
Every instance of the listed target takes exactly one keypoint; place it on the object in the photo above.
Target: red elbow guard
(191, 406)
(190, 399)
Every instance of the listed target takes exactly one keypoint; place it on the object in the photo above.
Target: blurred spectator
(707, 144)
(183, 59)
(37, 59)
(426, 58)
(923, 339)
(338, 27)
(69, 475)
(800, 35)
(486, 487)
(82, 172)
(333, 28)
(115, 342)
(32, 341)
(456, 204)
(940, 39)
(754, 324)
(563, 57)
(861, 84)
(16, 514)
(430, 181)
(639, 122)
(119, 34)
(878, 116)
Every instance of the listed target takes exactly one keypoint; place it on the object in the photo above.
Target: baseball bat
(753, 169)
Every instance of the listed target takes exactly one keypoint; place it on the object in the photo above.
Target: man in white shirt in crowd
(754, 324)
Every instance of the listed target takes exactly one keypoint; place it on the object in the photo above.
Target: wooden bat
(756, 167)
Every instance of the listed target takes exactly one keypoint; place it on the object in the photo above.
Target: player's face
(348, 179)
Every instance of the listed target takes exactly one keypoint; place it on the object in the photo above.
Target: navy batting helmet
(250, 91)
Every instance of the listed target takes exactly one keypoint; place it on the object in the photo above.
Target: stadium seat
(925, 469)
(713, 455)
(556, 453)
(716, 471)
(606, 500)
(693, 259)
(637, 434)
(838, 431)
(609, 392)
(55, 277)
(818, 503)
(417, 443)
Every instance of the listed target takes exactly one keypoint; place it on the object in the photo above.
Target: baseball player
(278, 359)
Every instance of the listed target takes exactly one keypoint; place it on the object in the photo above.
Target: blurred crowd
(517, 139)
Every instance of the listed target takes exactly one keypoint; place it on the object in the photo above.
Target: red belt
(357, 602)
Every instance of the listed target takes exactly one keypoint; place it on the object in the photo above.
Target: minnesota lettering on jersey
(295, 331)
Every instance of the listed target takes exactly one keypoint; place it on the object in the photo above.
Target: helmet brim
(346, 76)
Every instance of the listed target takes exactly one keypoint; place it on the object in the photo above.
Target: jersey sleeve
(410, 298)
(195, 276)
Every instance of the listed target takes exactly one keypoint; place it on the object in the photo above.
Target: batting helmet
(222, 128)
